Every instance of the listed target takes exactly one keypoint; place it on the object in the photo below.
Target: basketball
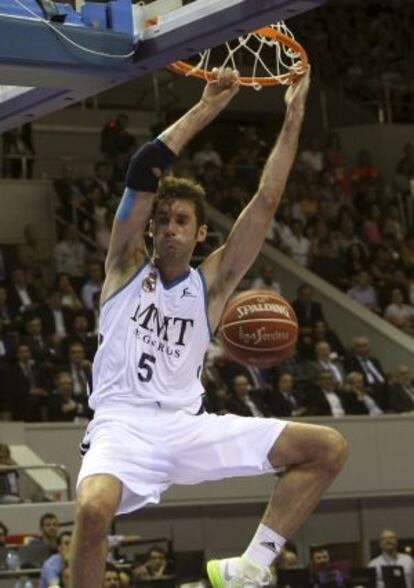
(259, 328)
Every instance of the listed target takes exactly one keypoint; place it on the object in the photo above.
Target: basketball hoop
(272, 53)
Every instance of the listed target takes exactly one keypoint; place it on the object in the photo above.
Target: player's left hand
(296, 94)
(223, 86)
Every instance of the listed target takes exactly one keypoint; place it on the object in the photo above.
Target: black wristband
(154, 154)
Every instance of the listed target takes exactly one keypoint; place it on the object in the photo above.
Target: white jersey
(153, 338)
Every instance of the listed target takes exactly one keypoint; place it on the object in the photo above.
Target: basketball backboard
(51, 59)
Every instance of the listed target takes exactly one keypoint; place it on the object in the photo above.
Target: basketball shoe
(237, 572)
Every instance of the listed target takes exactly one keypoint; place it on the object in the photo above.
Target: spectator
(80, 370)
(285, 401)
(371, 230)
(391, 557)
(207, 154)
(102, 179)
(54, 565)
(312, 158)
(112, 577)
(18, 153)
(288, 558)
(357, 399)
(401, 392)
(329, 265)
(70, 255)
(49, 528)
(65, 576)
(80, 334)
(322, 332)
(307, 310)
(327, 360)
(70, 298)
(22, 295)
(356, 259)
(323, 573)
(398, 313)
(324, 399)
(362, 361)
(9, 479)
(64, 406)
(40, 345)
(35, 256)
(392, 224)
(363, 292)
(7, 346)
(266, 279)
(155, 566)
(93, 284)
(243, 401)
(27, 386)
(69, 190)
(297, 244)
(56, 318)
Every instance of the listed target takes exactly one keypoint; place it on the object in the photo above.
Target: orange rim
(185, 68)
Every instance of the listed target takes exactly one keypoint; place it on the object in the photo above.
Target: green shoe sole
(213, 573)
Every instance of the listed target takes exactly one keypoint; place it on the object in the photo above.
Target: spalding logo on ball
(259, 328)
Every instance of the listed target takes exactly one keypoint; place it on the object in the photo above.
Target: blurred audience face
(362, 346)
(397, 296)
(19, 277)
(24, 355)
(285, 383)
(95, 272)
(80, 324)
(363, 279)
(320, 329)
(323, 351)
(156, 559)
(320, 558)
(327, 381)
(111, 579)
(356, 381)
(305, 294)
(241, 386)
(267, 273)
(55, 299)
(64, 384)
(388, 541)
(34, 327)
(288, 559)
(76, 353)
(403, 374)
(64, 542)
(50, 527)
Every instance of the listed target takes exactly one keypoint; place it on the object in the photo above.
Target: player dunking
(157, 317)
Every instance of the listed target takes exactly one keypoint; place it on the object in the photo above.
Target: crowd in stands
(48, 551)
(365, 48)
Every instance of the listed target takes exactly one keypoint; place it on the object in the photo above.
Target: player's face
(175, 230)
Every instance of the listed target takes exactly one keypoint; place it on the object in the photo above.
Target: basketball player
(157, 317)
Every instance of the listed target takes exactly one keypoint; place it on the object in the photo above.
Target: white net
(268, 56)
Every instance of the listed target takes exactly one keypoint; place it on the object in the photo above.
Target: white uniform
(148, 429)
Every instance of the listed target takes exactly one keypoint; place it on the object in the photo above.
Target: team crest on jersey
(150, 282)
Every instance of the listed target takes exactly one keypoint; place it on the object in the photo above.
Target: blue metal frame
(32, 54)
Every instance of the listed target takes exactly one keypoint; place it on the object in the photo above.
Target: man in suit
(56, 319)
(285, 401)
(27, 384)
(80, 370)
(326, 360)
(22, 296)
(361, 360)
(80, 334)
(324, 399)
(401, 391)
(40, 345)
(357, 398)
(243, 400)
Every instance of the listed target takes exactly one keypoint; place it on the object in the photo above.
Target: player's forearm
(184, 129)
(280, 161)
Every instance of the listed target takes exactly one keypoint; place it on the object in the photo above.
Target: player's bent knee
(335, 451)
(96, 504)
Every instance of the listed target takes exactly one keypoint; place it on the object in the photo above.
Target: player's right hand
(223, 86)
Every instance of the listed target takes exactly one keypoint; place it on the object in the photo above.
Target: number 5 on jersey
(145, 369)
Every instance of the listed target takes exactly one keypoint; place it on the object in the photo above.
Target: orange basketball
(259, 328)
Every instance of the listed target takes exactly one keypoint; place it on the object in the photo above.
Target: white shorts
(150, 448)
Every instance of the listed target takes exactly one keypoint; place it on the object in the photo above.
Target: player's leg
(97, 500)
(313, 456)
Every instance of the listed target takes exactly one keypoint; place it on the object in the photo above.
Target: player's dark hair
(171, 188)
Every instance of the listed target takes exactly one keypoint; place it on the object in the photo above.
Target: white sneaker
(237, 572)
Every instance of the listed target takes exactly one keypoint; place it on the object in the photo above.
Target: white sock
(264, 547)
